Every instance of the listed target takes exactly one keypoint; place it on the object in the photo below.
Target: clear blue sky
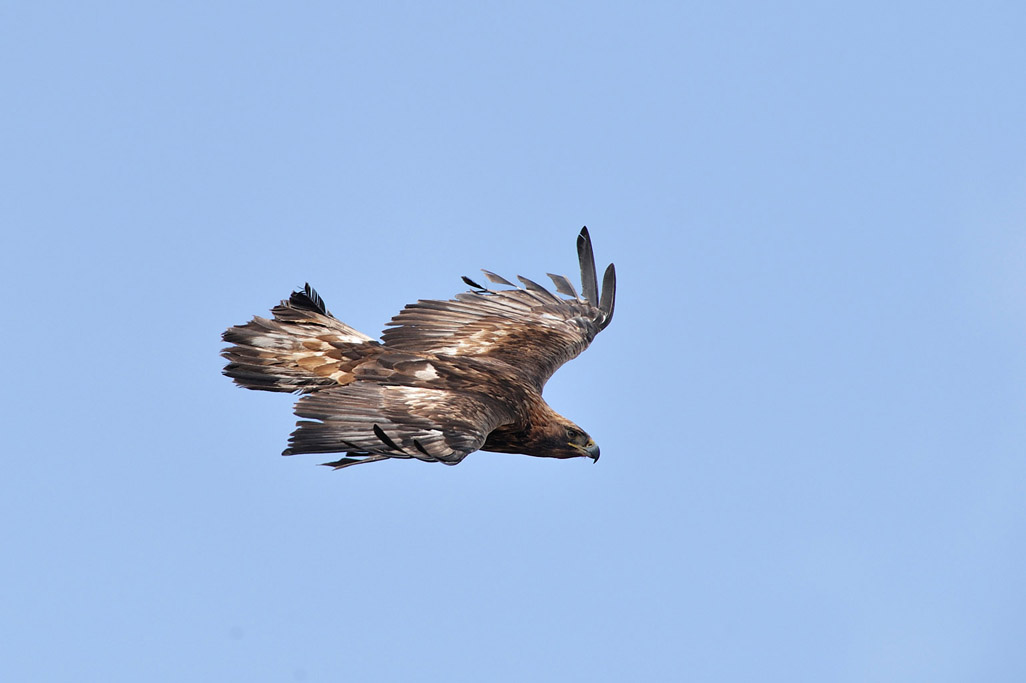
(811, 402)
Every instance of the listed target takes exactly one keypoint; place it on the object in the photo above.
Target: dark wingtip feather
(563, 285)
(309, 300)
(497, 279)
(608, 294)
(535, 287)
(380, 433)
(349, 462)
(589, 279)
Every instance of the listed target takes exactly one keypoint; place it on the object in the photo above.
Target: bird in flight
(447, 378)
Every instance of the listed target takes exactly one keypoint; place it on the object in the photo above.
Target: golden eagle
(446, 379)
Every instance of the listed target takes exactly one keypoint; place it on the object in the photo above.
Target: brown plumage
(446, 379)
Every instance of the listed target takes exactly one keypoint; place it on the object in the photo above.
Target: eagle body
(446, 379)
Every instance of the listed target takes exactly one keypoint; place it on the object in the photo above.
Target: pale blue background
(810, 402)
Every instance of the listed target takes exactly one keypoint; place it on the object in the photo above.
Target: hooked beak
(589, 449)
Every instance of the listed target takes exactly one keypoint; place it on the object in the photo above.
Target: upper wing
(372, 422)
(531, 328)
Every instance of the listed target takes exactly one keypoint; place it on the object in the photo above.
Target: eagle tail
(302, 348)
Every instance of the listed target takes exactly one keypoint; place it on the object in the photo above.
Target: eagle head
(579, 443)
(552, 438)
(561, 438)
(544, 434)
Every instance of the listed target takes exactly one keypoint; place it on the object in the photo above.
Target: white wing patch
(475, 343)
(428, 373)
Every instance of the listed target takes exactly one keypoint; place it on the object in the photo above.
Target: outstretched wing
(372, 422)
(529, 328)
